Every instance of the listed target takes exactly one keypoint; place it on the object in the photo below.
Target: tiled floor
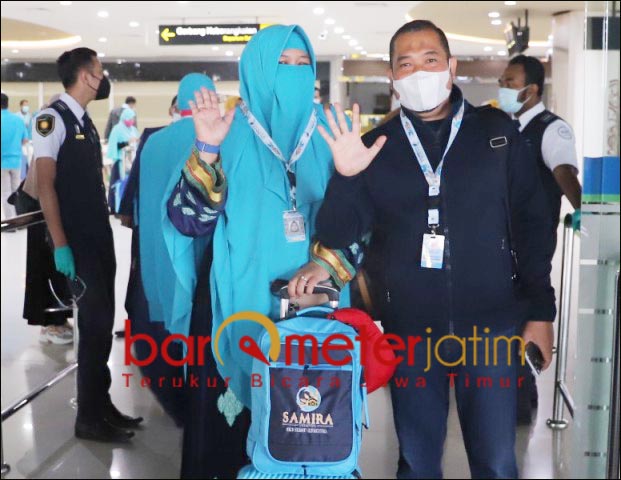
(39, 441)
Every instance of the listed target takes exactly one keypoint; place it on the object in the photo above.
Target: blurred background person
(40, 268)
(14, 136)
(317, 96)
(115, 115)
(26, 116)
(124, 134)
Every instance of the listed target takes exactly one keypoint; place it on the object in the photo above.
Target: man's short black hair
(5, 101)
(71, 62)
(22, 101)
(533, 71)
(174, 101)
(418, 26)
(130, 99)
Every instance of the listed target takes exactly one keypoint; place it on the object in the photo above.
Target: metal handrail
(562, 396)
(13, 224)
(22, 221)
(613, 426)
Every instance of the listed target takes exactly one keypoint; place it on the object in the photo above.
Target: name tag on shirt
(295, 230)
(78, 134)
(433, 251)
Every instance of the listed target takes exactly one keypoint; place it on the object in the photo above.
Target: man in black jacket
(451, 193)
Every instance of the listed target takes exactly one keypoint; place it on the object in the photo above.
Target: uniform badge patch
(45, 124)
(565, 133)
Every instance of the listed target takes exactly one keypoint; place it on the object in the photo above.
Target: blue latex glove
(576, 220)
(63, 258)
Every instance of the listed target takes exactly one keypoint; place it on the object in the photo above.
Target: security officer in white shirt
(552, 139)
(73, 199)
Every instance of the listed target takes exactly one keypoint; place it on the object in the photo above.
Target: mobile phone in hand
(534, 358)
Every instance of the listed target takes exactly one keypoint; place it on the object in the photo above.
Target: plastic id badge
(433, 251)
(294, 226)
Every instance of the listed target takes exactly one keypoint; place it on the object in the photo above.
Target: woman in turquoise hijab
(277, 168)
(178, 297)
(255, 189)
(122, 134)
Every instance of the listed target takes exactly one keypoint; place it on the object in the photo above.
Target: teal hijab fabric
(250, 248)
(170, 273)
(121, 133)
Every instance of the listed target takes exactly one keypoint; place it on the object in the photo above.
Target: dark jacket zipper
(447, 256)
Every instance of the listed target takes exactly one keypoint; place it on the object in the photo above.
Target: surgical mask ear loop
(520, 91)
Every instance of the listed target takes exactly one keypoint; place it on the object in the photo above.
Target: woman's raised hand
(210, 126)
(350, 155)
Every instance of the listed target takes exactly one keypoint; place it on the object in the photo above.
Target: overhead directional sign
(208, 34)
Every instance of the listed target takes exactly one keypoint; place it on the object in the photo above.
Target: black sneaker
(101, 431)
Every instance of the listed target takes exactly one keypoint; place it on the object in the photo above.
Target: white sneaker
(66, 331)
(58, 335)
(43, 335)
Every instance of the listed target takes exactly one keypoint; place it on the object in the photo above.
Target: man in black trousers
(72, 196)
(457, 210)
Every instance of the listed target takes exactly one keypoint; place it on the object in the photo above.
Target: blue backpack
(307, 411)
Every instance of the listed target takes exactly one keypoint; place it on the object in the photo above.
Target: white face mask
(423, 91)
(176, 116)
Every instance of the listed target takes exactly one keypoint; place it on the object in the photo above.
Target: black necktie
(516, 124)
(89, 128)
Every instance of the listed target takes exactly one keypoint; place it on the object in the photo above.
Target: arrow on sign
(167, 34)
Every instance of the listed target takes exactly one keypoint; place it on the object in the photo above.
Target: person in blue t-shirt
(14, 135)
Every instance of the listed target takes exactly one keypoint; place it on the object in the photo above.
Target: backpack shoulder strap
(494, 123)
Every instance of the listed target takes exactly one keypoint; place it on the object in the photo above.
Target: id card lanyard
(433, 244)
(433, 178)
(293, 220)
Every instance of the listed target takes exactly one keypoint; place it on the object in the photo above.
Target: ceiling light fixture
(14, 51)
(510, 4)
(329, 21)
(353, 42)
(60, 42)
(103, 14)
(101, 54)
(502, 53)
(65, 4)
(134, 24)
(488, 49)
(319, 10)
(493, 14)
(215, 48)
(103, 39)
(338, 30)
(346, 37)
(229, 53)
(496, 22)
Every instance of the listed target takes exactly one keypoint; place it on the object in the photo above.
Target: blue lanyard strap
(434, 179)
(267, 140)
